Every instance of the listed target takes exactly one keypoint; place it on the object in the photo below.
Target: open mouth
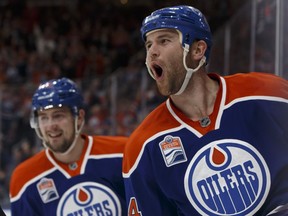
(157, 70)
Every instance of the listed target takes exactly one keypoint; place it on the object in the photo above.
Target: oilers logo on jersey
(89, 198)
(227, 177)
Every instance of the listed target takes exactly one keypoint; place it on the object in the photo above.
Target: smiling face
(57, 127)
(164, 58)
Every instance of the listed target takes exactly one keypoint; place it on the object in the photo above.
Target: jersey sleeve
(143, 192)
(22, 202)
(142, 186)
(25, 206)
(22, 195)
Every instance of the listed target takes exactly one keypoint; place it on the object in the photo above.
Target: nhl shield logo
(227, 177)
(172, 151)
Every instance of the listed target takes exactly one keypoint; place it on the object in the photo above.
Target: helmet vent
(169, 16)
(180, 17)
(64, 95)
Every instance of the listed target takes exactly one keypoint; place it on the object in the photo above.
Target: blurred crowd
(98, 45)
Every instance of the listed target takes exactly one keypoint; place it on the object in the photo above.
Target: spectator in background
(75, 173)
(218, 145)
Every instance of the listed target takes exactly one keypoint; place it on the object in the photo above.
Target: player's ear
(198, 49)
(81, 116)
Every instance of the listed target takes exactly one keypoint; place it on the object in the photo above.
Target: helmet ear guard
(35, 124)
(189, 21)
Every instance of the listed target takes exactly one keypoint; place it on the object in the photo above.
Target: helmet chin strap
(190, 71)
(150, 72)
(77, 133)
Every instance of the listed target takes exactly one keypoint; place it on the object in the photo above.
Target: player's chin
(56, 146)
(59, 150)
(164, 91)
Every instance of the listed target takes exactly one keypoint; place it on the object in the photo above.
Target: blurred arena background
(97, 43)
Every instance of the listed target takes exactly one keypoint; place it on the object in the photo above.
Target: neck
(197, 101)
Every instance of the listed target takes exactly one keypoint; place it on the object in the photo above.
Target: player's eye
(148, 45)
(43, 119)
(58, 116)
(164, 41)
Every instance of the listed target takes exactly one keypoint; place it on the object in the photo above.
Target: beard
(173, 81)
(63, 147)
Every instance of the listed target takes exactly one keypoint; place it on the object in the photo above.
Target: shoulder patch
(47, 190)
(172, 151)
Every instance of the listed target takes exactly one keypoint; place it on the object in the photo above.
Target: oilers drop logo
(89, 198)
(227, 177)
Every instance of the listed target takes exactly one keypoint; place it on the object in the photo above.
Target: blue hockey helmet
(189, 21)
(57, 93)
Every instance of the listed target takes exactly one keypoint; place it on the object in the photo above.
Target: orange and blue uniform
(237, 165)
(93, 185)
